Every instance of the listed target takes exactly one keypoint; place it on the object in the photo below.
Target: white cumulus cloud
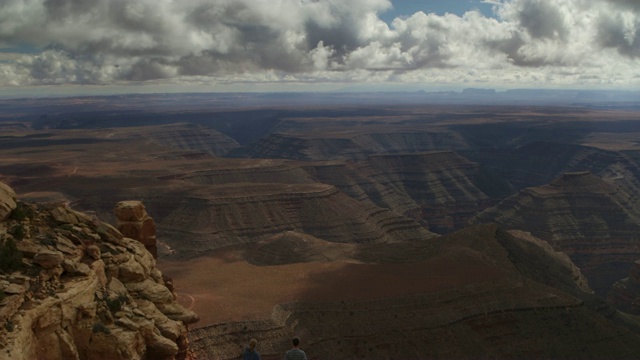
(553, 42)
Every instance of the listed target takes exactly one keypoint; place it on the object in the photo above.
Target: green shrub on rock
(10, 257)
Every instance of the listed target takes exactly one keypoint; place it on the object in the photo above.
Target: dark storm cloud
(614, 32)
(542, 19)
(629, 4)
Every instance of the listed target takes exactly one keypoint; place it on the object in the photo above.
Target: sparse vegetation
(102, 232)
(10, 257)
(100, 327)
(67, 227)
(115, 304)
(21, 212)
(18, 232)
(9, 326)
(2, 295)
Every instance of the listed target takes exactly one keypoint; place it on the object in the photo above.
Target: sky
(84, 46)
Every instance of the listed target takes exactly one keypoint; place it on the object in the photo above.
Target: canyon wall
(594, 221)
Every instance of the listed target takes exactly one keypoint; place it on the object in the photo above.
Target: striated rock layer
(440, 187)
(246, 213)
(625, 293)
(448, 188)
(185, 136)
(354, 146)
(75, 288)
(592, 220)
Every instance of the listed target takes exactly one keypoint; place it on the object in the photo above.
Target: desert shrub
(67, 227)
(21, 212)
(100, 327)
(9, 326)
(2, 295)
(115, 304)
(18, 232)
(10, 257)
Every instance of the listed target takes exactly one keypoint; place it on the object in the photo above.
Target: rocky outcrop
(133, 222)
(592, 220)
(7, 201)
(82, 290)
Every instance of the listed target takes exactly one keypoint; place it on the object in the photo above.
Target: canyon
(482, 231)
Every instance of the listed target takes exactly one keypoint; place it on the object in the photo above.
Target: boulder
(132, 271)
(48, 258)
(133, 222)
(152, 291)
(7, 201)
(63, 215)
(130, 210)
(75, 268)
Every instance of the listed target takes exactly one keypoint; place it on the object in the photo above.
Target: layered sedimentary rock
(352, 145)
(243, 213)
(353, 179)
(441, 187)
(592, 220)
(188, 137)
(448, 188)
(133, 222)
(540, 162)
(75, 288)
(254, 171)
(520, 299)
(625, 293)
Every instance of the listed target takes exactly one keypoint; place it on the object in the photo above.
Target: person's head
(252, 344)
(296, 341)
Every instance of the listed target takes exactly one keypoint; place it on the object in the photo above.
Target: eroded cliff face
(74, 287)
(625, 293)
(448, 188)
(440, 188)
(594, 221)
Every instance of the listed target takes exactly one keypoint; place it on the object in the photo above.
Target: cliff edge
(73, 287)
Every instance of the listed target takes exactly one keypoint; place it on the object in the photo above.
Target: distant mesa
(478, 91)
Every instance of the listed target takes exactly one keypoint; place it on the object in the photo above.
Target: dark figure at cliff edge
(295, 353)
(250, 352)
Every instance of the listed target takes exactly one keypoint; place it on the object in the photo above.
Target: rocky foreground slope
(73, 287)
